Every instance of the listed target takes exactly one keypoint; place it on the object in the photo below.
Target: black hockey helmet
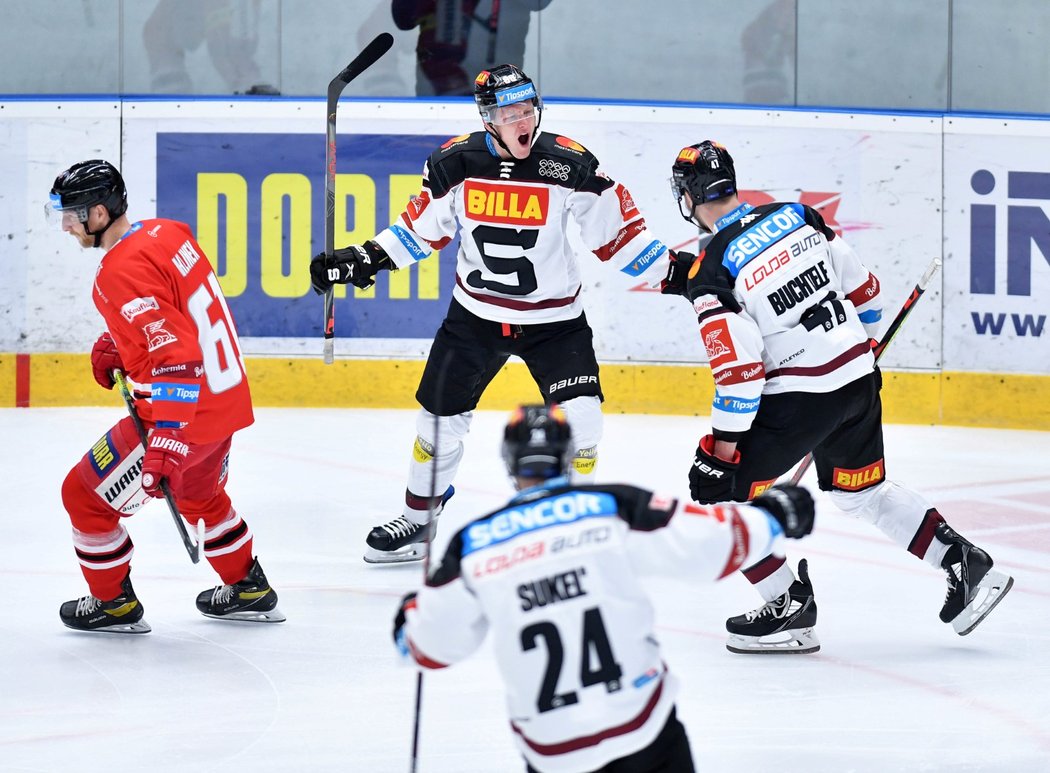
(86, 184)
(536, 442)
(706, 171)
(504, 85)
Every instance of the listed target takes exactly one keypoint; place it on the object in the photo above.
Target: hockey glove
(166, 452)
(104, 360)
(711, 479)
(677, 273)
(399, 623)
(791, 507)
(355, 265)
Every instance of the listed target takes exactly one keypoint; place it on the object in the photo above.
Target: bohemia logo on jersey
(506, 204)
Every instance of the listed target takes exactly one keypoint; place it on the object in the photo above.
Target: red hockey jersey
(175, 334)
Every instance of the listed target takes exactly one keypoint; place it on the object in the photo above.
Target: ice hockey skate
(121, 615)
(783, 626)
(251, 600)
(401, 540)
(973, 587)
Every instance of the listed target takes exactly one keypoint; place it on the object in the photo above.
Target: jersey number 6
(595, 640)
(220, 351)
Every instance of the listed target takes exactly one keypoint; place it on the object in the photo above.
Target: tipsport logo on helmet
(516, 94)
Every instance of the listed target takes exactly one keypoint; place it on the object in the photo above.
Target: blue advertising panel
(256, 204)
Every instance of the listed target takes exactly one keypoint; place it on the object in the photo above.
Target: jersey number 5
(595, 643)
(220, 351)
(486, 237)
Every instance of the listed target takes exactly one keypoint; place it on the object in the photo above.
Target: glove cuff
(707, 445)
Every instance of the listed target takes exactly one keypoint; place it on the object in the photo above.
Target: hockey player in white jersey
(508, 192)
(552, 576)
(786, 312)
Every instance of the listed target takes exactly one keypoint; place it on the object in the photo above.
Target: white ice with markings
(892, 688)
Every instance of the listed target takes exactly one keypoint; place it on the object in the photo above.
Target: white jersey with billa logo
(553, 576)
(515, 263)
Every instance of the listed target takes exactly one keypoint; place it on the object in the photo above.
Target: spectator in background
(231, 30)
(460, 37)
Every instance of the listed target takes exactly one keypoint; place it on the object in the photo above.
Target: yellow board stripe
(1007, 401)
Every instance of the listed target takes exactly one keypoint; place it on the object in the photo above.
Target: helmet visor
(509, 114)
(60, 216)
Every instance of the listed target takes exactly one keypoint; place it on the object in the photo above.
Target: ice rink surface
(892, 689)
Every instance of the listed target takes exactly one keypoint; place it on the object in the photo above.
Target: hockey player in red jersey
(171, 333)
(508, 192)
(553, 575)
(786, 310)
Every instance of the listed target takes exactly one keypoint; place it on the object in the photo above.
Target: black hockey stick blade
(369, 56)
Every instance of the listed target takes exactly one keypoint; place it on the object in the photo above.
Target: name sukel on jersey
(551, 590)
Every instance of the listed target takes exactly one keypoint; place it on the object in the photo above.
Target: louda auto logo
(555, 169)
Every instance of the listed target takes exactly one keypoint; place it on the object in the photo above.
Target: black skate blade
(997, 585)
(130, 628)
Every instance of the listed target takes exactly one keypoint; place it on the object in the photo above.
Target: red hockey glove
(791, 507)
(104, 360)
(677, 273)
(711, 479)
(165, 454)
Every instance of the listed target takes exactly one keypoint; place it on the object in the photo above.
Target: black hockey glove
(355, 265)
(399, 622)
(677, 273)
(711, 479)
(791, 506)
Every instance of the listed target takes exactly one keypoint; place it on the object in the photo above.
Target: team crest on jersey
(506, 204)
(627, 205)
(417, 204)
(573, 145)
(718, 343)
(157, 335)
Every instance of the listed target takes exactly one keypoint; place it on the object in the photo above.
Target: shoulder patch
(695, 268)
(565, 142)
(455, 141)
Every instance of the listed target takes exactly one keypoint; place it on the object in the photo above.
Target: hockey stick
(379, 46)
(887, 337)
(439, 388)
(194, 550)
